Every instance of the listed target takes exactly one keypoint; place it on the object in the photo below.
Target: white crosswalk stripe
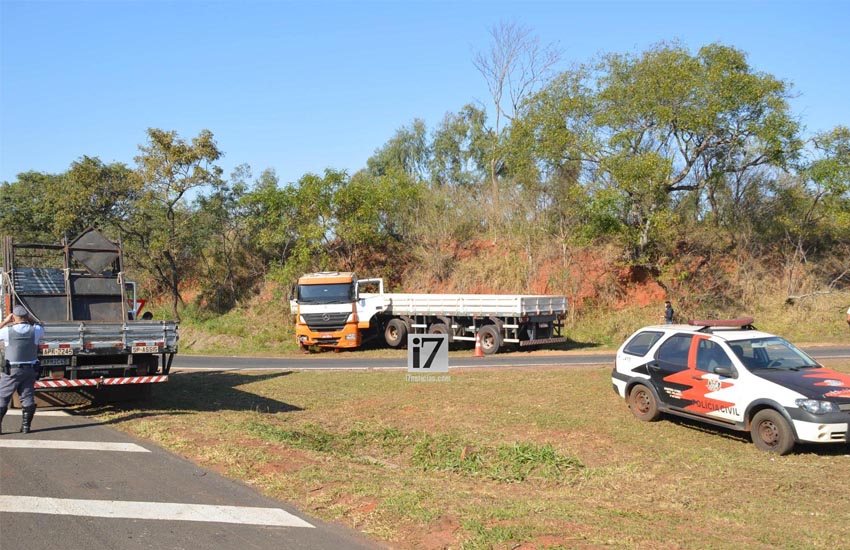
(115, 509)
(38, 412)
(173, 511)
(71, 445)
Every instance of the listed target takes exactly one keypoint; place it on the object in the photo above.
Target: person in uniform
(21, 369)
(668, 312)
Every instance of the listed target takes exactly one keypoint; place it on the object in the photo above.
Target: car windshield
(337, 293)
(771, 353)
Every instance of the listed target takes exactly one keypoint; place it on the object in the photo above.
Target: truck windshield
(338, 293)
(771, 353)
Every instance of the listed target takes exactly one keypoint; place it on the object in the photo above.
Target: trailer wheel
(491, 339)
(440, 328)
(395, 333)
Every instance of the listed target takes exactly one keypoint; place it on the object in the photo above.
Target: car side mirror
(725, 371)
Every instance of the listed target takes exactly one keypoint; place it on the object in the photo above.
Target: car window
(675, 350)
(642, 342)
(773, 352)
(710, 356)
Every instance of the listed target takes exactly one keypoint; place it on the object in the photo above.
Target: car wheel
(395, 333)
(643, 404)
(771, 432)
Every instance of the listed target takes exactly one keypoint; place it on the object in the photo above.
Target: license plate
(55, 362)
(145, 349)
(57, 351)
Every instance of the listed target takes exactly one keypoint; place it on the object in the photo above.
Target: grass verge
(496, 458)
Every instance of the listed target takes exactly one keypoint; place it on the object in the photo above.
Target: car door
(715, 377)
(695, 374)
(671, 361)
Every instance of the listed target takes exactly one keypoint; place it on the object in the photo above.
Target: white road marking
(38, 412)
(72, 445)
(170, 511)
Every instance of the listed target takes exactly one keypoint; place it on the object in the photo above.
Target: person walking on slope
(668, 312)
(21, 370)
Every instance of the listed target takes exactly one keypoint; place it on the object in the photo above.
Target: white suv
(729, 374)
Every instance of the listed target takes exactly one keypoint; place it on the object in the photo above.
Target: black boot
(26, 418)
(2, 414)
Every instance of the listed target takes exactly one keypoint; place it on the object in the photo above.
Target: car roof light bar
(707, 325)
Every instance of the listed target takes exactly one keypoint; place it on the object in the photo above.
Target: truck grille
(325, 322)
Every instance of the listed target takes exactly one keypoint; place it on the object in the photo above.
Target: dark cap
(20, 311)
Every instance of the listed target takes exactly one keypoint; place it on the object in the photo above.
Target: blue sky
(304, 86)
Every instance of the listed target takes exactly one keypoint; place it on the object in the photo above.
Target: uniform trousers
(21, 379)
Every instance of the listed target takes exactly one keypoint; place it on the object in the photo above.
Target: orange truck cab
(329, 311)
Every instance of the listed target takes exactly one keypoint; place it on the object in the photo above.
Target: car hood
(814, 383)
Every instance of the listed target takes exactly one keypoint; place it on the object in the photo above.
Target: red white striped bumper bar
(62, 383)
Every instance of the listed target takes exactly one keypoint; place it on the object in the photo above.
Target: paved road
(350, 360)
(75, 484)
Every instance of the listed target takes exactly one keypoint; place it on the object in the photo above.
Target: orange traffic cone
(478, 351)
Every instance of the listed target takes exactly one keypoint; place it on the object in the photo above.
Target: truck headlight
(351, 337)
(817, 407)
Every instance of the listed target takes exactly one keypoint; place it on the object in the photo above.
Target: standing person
(21, 335)
(668, 312)
(848, 316)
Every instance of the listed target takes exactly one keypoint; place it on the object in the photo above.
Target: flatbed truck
(336, 310)
(92, 342)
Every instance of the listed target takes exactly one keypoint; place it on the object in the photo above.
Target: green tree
(29, 207)
(271, 215)
(45, 207)
(657, 127)
(514, 67)
(95, 194)
(459, 150)
(163, 230)
(230, 263)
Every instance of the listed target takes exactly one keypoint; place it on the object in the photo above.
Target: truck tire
(490, 338)
(396, 333)
(440, 328)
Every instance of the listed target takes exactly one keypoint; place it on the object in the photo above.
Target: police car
(727, 373)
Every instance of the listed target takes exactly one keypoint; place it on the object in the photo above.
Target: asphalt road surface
(350, 360)
(75, 484)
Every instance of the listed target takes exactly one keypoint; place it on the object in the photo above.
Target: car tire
(771, 432)
(643, 404)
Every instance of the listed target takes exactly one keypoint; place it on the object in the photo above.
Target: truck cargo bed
(475, 305)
